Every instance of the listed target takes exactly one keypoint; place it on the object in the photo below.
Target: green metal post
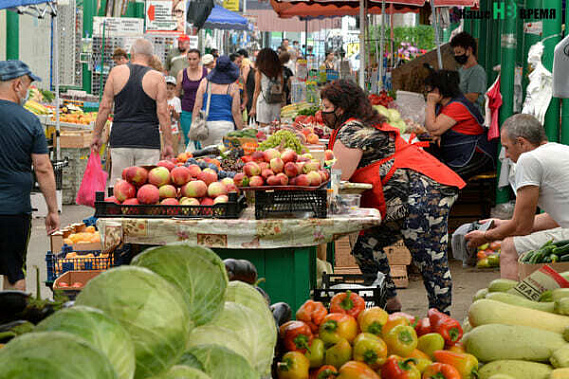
(482, 51)
(529, 40)
(551, 27)
(102, 64)
(88, 13)
(467, 23)
(508, 69)
(565, 102)
(12, 35)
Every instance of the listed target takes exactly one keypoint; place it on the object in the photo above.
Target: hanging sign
(231, 5)
(165, 16)
(118, 26)
(534, 27)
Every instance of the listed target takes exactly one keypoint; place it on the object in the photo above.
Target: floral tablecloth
(242, 233)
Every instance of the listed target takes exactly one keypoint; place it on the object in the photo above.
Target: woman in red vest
(412, 190)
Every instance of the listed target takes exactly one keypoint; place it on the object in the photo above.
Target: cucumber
(501, 285)
(560, 373)
(515, 369)
(496, 342)
(488, 311)
(559, 293)
(480, 294)
(512, 299)
(560, 243)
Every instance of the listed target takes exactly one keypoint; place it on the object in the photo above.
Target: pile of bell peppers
(350, 341)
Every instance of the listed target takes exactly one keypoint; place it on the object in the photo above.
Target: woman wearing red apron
(413, 191)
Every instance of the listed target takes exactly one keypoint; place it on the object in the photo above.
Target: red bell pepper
(397, 368)
(296, 336)
(325, 372)
(446, 326)
(312, 313)
(348, 302)
(457, 347)
(441, 371)
(423, 327)
(465, 364)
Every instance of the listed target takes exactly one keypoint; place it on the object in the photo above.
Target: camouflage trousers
(424, 229)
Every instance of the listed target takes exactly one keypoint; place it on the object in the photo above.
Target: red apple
(283, 179)
(189, 201)
(251, 169)
(166, 164)
(266, 173)
(291, 169)
(136, 175)
(328, 155)
(216, 189)
(221, 199)
(208, 176)
(270, 154)
(315, 178)
(303, 180)
(277, 165)
(289, 155)
(167, 191)
(180, 175)
(148, 194)
(194, 170)
(241, 180)
(197, 188)
(159, 176)
(123, 190)
(112, 199)
(256, 181)
(169, 201)
(258, 156)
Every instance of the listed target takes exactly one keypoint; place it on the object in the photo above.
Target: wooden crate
(75, 139)
(398, 254)
(399, 276)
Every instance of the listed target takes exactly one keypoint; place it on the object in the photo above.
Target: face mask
(23, 101)
(461, 59)
(330, 119)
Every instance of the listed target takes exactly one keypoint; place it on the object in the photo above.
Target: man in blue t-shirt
(22, 144)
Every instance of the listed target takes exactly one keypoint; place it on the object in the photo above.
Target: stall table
(283, 250)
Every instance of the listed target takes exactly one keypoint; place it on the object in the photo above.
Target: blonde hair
(155, 63)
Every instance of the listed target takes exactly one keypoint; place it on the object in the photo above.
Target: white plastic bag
(540, 87)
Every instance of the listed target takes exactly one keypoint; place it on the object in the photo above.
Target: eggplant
(241, 269)
(265, 295)
(211, 150)
(282, 312)
(12, 303)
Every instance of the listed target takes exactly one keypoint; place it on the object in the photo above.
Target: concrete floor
(466, 281)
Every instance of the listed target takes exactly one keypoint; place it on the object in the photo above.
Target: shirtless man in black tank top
(141, 112)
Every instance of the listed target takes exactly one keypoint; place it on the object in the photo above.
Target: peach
(328, 155)
(283, 179)
(135, 175)
(221, 199)
(148, 194)
(267, 173)
(256, 181)
(289, 155)
(216, 189)
(303, 180)
(208, 176)
(180, 175)
(315, 178)
(241, 180)
(131, 201)
(123, 190)
(251, 169)
(166, 164)
(258, 156)
(291, 169)
(112, 199)
(311, 166)
(197, 188)
(159, 176)
(263, 166)
(277, 165)
(167, 191)
(169, 201)
(273, 181)
(189, 201)
(194, 170)
(227, 181)
(206, 201)
(270, 154)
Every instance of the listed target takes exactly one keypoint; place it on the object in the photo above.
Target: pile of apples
(171, 184)
(273, 168)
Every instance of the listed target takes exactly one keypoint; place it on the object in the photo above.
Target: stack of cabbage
(171, 314)
(393, 117)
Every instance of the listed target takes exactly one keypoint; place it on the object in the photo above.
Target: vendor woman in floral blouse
(413, 191)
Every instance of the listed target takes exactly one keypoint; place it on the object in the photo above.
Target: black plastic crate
(373, 296)
(275, 203)
(57, 172)
(231, 209)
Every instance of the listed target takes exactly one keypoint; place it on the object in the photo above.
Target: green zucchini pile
(550, 252)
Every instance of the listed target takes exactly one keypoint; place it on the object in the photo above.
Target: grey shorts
(538, 239)
(123, 157)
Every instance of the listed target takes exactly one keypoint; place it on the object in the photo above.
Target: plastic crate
(58, 173)
(231, 209)
(373, 296)
(57, 264)
(282, 203)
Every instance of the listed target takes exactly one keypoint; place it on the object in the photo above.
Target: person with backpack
(269, 84)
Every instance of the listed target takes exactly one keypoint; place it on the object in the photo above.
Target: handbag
(199, 130)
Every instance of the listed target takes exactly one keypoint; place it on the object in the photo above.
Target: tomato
(63, 284)
(301, 119)
(77, 285)
(496, 245)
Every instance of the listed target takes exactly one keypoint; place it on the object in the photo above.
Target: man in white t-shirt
(175, 108)
(542, 180)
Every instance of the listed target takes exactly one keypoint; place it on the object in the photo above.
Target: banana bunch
(36, 108)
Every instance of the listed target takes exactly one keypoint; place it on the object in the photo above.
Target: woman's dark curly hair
(353, 100)
(446, 81)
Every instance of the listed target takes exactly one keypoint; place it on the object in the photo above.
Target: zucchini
(516, 369)
(560, 357)
(488, 311)
(501, 376)
(501, 285)
(560, 373)
(496, 342)
(546, 296)
(559, 293)
(480, 294)
(562, 306)
(512, 299)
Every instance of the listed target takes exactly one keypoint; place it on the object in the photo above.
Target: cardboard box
(526, 269)
(343, 253)
(398, 254)
(56, 239)
(399, 276)
(75, 139)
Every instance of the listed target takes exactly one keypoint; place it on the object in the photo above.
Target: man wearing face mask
(472, 75)
(22, 144)
(412, 190)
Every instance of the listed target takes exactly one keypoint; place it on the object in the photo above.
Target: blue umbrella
(17, 3)
(221, 18)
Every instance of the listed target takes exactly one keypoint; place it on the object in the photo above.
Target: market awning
(372, 3)
(319, 10)
(221, 18)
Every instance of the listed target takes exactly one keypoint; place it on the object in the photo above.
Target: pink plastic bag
(94, 180)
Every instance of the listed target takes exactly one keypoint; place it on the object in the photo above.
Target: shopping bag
(94, 180)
